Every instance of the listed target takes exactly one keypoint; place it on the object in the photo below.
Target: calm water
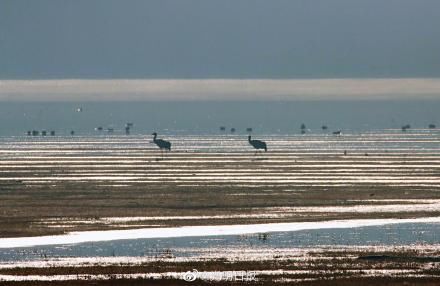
(206, 117)
(390, 235)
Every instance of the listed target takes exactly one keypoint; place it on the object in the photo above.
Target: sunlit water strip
(411, 158)
(194, 231)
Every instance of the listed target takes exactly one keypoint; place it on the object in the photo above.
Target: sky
(217, 39)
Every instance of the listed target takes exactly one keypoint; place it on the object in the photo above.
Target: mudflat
(62, 184)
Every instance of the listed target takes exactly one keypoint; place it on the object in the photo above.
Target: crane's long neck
(154, 138)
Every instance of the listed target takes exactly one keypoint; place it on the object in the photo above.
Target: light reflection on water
(400, 157)
(387, 235)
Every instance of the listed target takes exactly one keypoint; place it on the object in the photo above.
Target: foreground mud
(419, 265)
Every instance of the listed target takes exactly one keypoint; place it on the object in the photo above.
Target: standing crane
(257, 144)
(162, 144)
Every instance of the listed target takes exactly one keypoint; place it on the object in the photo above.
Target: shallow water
(381, 157)
(386, 235)
(205, 117)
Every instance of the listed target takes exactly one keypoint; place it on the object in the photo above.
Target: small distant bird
(337, 132)
(324, 127)
(232, 130)
(79, 109)
(405, 127)
(432, 126)
(249, 129)
(72, 132)
(162, 144)
(257, 144)
(303, 128)
(222, 128)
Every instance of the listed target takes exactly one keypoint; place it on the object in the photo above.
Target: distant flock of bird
(166, 145)
(129, 125)
(257, 144)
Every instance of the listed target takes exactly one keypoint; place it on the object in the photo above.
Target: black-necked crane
(257, 144)
(162, 144)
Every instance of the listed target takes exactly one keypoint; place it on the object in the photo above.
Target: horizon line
(218, 89)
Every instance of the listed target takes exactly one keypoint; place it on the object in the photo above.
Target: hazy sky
(89, 39)
(219, 89)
